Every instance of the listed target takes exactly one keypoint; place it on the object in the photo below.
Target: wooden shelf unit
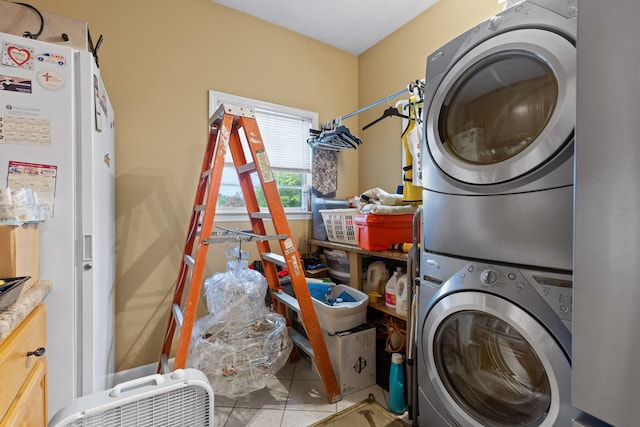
(355, 266)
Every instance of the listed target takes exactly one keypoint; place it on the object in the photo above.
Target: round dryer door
(505, 107)
(492, 364)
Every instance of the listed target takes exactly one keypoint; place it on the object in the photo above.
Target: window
(284, 132)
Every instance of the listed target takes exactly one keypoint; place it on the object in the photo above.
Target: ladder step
(301, 342)
(189, 260)
(164, 363)
(287, 300)
(177, 314)
(248, 168)
(277, 259)
(261, 215)
(245, 236)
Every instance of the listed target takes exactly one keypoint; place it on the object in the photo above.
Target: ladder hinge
(231, 109)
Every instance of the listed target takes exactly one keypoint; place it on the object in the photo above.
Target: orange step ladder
(224, 136)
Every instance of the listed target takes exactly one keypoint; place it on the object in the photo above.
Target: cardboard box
(16, 19)
(20, 252)
(353, 355)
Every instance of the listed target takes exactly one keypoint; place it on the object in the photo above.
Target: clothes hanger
(334, 138)
(389, 112)
(340, 137)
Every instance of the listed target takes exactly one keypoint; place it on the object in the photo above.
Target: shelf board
(399, 256)
(380, 306)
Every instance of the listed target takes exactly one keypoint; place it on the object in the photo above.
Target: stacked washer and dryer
(495, 296)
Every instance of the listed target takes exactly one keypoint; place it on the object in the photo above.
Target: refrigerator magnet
(15, 84)
(15, 55)
(51, 57)
(50, 79)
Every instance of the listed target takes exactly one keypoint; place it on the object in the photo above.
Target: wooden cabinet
(356, 255)
(23, 370)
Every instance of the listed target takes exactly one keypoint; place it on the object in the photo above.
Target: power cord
(396, 335)
(29, 34)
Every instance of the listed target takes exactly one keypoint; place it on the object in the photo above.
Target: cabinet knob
(38, 352)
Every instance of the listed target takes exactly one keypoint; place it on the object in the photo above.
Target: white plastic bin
(338, 263)
(345, 315)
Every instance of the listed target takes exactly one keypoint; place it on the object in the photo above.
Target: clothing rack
(335, 136)
(411, 87)
(375, 104)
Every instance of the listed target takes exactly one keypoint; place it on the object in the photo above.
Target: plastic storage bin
(379, 232)
(337, 261)
(342, 316)
(338, 264)
(340, 225)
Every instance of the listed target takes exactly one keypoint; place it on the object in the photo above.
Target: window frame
(215, 99)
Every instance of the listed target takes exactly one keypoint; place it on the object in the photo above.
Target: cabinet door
(30, 407)
(15, 363)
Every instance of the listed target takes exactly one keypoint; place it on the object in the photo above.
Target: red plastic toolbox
(379, 232)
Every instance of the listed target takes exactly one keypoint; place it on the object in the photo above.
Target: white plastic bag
(240, 344)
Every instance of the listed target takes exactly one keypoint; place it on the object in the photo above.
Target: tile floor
(295, 397)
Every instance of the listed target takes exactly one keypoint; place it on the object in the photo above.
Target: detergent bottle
(402, 295)
(390, 288)
(377, 276)
(397, 404)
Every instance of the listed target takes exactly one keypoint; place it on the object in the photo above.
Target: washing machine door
(504, 108)
(491, 364)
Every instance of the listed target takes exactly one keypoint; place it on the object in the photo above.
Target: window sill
(243, 216)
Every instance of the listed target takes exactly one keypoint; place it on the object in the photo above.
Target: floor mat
(368, 413)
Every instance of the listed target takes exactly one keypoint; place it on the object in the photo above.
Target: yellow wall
(389, 66)
(159, 58)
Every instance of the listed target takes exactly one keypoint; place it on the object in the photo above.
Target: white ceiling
(350, 25)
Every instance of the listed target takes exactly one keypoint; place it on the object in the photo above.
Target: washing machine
(493, 346)
(499, 136)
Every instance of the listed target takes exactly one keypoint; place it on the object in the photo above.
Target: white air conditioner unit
(180, 398)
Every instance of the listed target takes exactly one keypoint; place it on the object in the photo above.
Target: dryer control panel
(554, 288)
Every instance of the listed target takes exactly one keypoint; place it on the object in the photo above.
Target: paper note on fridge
(38, 177)
(24, 126)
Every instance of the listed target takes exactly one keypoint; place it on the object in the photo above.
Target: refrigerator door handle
(87, 250)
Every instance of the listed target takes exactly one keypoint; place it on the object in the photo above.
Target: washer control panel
(489, 277)
(555, 289)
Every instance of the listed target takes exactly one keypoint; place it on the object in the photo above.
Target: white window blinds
(284, 137)
(284, 130)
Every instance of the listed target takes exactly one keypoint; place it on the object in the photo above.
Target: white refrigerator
(57, 135)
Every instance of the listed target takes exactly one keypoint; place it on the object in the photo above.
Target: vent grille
(187, 406)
